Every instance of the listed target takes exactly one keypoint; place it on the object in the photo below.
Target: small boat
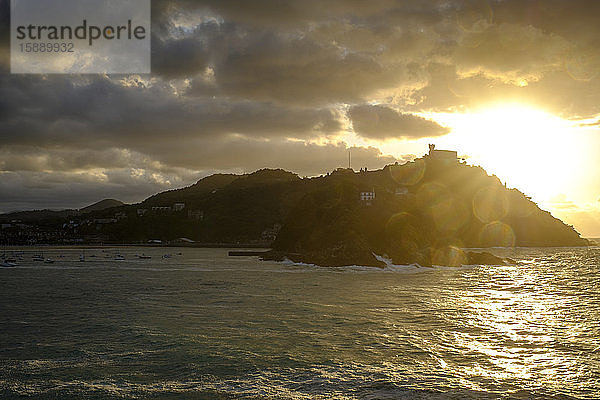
(38, 257)
(7, 264)
(144, 257)
(48, 261)
(119, 257)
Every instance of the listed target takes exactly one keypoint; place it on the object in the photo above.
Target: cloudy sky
(240, 85)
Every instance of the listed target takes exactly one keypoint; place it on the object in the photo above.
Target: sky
(513, 86)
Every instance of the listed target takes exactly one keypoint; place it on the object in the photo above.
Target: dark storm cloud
(300, 70)
(558, 91)
(88, 113)
(257, 63)
(178, 57)
(225, 152)
(246, 154)
(4, 36)
(277, 13)
(345, 54)
(60, 159)
(542, 53)
(281, 51)
(380, 122)
(244, 85)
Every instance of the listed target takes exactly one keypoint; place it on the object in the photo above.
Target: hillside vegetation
(422, 212)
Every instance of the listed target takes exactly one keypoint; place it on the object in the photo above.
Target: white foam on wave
(287, 261)
(389, 266)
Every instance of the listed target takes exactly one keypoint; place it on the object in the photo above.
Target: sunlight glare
(529, 149)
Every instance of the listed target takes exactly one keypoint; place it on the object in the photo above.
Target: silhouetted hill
(423, 212)
(214, 183)
(102, 205)
(52, 215)
(200, 189)
(38, 215)
(222, 208)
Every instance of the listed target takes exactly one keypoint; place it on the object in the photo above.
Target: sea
(192, 323)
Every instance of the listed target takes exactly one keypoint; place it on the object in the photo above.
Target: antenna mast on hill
(349, 160)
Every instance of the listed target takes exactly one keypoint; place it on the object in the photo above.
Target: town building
(446, 157)
(401, 191)
(196, 215)
(367, 197)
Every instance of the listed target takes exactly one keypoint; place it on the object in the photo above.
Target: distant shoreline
(101, 246)
(595, 241)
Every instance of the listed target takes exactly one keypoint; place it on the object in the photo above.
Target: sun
(530, 149)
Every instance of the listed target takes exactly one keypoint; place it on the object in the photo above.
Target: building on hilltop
(446, 157)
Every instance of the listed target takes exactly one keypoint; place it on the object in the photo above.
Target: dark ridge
(102, 205)
(424, 212)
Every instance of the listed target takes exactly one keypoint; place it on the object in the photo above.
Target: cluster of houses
(195, 215)
(81, 229)
(367, 197)
(176, 207)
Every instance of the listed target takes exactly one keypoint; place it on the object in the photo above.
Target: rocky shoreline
(328, 258)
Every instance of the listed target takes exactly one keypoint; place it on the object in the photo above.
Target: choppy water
(203, 325)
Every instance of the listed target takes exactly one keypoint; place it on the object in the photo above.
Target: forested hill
(417, 204)
(421, 211)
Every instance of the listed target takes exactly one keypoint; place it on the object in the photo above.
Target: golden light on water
(531, 353)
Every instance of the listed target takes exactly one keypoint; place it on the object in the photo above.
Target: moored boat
(7, 264)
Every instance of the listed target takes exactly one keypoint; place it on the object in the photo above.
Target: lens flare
(408, 174)
(448, 214)
(450, 256)
(498, 234)
(490, 204)
(582, 67)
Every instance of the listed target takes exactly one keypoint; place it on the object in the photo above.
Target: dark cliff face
(423, 212)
